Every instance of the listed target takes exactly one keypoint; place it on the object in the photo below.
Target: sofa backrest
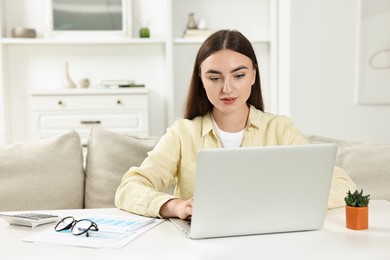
(368, 165)
(49, 174)
(42, 174)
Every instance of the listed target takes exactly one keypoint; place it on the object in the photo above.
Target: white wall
(318, 71)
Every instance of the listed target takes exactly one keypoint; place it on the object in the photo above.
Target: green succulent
(357, 199)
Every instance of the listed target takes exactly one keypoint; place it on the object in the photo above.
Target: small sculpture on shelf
(84, 82)
(196, 30)
(202, 24)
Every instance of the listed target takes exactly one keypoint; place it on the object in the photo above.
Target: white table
(165, 241)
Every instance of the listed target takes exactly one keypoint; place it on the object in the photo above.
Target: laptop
(260, 190)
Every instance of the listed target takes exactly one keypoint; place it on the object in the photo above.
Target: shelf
(89, 91)
(80, 41)
(41, 41)
(200, 40)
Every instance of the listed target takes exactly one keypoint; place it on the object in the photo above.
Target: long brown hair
(197, 102)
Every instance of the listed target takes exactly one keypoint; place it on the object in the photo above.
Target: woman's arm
(141, 188)
(341, 184)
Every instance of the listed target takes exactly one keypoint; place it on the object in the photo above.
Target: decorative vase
(356, 217)
(191, 24)
(69, 83)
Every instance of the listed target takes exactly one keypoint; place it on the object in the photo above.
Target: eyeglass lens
(65, 223)
(82, 226)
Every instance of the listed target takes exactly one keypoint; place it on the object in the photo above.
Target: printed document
(114, 232)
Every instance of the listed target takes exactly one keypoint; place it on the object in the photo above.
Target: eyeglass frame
(92, 227)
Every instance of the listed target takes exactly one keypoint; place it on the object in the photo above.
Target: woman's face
(228, 77)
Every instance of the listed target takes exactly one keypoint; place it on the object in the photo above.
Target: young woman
(224, 109)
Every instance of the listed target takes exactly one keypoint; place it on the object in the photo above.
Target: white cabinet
(163, 62)
(125, 111)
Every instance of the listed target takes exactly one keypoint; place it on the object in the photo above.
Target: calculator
(31, 219)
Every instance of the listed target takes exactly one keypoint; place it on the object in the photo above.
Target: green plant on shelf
(357, 199)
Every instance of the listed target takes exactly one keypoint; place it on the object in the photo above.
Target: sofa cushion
(109, 157)
(42, 174)
(367, 164)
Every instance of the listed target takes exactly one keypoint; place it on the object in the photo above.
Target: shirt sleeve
(341, 183)
(140, 190)
(289, 133)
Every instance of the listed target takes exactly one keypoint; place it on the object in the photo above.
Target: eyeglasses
(77, 227)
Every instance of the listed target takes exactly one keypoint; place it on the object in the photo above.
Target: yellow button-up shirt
(173, 160)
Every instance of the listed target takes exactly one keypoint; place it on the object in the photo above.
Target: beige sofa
(50, 174)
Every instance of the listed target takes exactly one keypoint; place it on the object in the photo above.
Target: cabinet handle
(90, 122)
(60, 102)
(119, 102)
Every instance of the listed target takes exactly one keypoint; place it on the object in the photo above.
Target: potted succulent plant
(356, 210)
(144, 31)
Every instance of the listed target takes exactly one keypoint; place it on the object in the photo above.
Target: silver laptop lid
(256, 190)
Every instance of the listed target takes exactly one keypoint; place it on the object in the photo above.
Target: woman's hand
(177, 208)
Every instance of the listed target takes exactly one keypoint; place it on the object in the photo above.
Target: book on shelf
(120, 84)
(197, 33)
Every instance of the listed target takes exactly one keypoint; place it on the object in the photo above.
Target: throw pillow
(42, 174)
(109, 157)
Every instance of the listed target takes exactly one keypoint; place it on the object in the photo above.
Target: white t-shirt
(228, 140)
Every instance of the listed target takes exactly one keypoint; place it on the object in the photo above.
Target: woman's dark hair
(197, 102)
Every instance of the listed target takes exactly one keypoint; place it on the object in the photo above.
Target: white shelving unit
(163, 62)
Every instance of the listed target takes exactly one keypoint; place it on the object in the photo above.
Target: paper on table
(113, 232)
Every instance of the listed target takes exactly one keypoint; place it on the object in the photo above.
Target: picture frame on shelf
(88, 19)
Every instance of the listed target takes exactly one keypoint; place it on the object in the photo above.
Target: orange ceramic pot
(356, 217)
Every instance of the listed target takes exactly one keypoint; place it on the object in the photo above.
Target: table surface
(165, 241)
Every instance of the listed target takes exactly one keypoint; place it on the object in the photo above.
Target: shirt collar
(207, 124)
(256, 117)
(254, 120)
